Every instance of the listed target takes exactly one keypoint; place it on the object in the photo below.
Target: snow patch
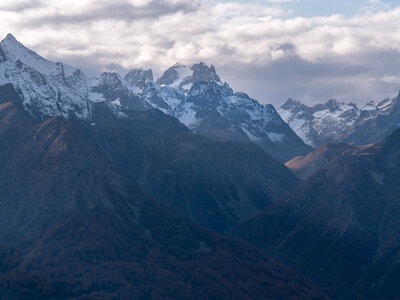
(188, 116)
(250, 135)
(117, 102)
(183, 73)
(275, 137)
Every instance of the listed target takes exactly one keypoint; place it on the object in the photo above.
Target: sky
(309, 50)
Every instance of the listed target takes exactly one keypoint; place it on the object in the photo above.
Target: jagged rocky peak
(184, 77)
(47, 89)
(15, 52)
(10, 39)
(290, 104)
(202, 72)
(136, 76)
(332, 105)
(110, 78)
(174, 75)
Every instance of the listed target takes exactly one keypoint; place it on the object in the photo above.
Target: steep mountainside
(195, 95)
(202, 177)
(341, 122)
(326, 154)
(341, 227)
(76, 226)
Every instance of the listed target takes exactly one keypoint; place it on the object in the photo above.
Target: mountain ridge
(194, 95)
(336, 121)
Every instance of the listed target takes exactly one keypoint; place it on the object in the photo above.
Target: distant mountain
(340, 122)
(341, 227)
(321, 123)
(75, 225)
(194, 95)
(376, 121)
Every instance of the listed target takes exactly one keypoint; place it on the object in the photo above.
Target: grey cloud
(313, 82)
(118, 11)
(21, 6)
(272, 59)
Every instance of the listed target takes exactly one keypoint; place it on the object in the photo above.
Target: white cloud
(157, 33)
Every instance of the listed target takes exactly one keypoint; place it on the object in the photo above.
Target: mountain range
(201, 176)
(181, 188)
(194, 95)
(340, 122)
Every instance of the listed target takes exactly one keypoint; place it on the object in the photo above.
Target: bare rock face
(75, 225)
(341, 228)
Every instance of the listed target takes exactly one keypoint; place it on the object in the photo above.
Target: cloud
(256, 46)
(20, 5)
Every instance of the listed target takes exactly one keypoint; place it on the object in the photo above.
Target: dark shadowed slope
(341, 227)
(218, 184)
(326, 154)
(74, 225)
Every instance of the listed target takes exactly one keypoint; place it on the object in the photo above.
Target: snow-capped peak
(319, 123)
(291, 104)
(184, 77)
(47, 89)
(14, 51)
(202, 72)
(10, 38)
(175, 75)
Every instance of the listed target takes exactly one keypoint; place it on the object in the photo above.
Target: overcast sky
(310, 50)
